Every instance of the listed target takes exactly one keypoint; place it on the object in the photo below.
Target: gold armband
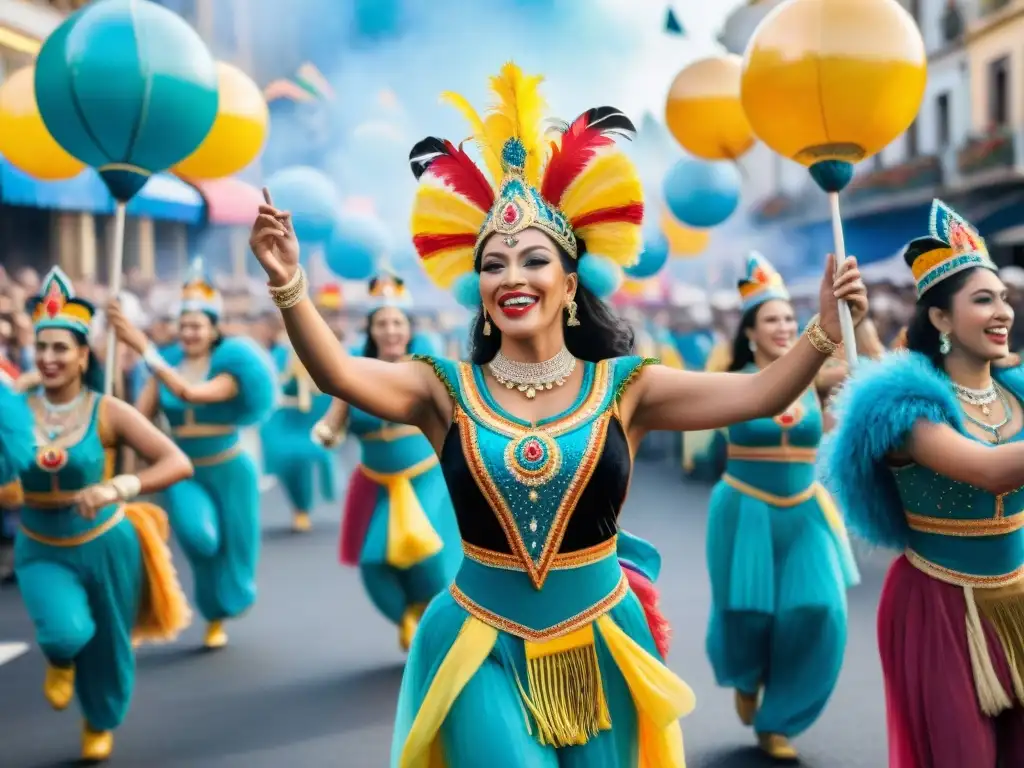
(292, 292)
(819, 339)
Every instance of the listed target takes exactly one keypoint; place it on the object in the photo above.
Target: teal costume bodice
(62, 468)
(386, 447)
(777, 455)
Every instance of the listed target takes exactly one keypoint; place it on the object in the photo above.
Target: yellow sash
(411, 537)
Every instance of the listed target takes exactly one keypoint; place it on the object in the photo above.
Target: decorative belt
(389, 434)
(78, 539)
(984, 526)
(217, 458)
(49, 499)
(411, 538)
(777, 453)
(203, 430)
(770, 498)
(959, 578)
(562, 561)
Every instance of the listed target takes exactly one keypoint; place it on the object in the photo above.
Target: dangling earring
(944, 343)
(487, 325)
(753, 345)
(572, 322)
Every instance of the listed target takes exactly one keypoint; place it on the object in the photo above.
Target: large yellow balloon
(833, 79)
(704, 112)
(24, 141)
(683, 240)
(238, 133)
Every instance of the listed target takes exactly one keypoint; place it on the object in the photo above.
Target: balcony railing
(996, 149)
(919, 173)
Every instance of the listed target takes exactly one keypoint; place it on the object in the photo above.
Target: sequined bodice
(387, 447)
(777, 454)
(551, 488)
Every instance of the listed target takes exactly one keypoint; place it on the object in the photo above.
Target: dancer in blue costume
(778, 555)
(398, 525)
(92, 563)
(540, 653)
(209, 387)
(290, 452)
(927, 458)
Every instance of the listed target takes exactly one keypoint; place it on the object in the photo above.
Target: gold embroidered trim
(771, 498)
(218, 458)
(389, 434)
(78, 540)
(563, 561)
(986, 526)
(958, 578)
(49, 499)
(571, 624)
(417, 469)
(782, 453)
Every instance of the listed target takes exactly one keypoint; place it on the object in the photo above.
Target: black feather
(424, 153)
(611, 121)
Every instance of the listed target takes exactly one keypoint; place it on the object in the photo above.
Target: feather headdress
(198, 293)
(761, 283)
(56, 306)
(388, 290)
(568, 180)
(952, 245)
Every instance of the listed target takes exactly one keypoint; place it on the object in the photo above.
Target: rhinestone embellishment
(531, 378)
(51, 458)
(534, 459)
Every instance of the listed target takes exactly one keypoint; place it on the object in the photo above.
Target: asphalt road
(312, 673)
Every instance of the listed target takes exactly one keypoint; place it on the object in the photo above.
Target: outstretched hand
(273, 242)
(844, 284)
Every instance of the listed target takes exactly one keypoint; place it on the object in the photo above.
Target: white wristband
(127, 486)
(153, 359)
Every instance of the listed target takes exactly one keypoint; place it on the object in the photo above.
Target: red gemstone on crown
(532, 451)
(52, 307)
(510, 214)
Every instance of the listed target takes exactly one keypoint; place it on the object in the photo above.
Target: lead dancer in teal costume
(209, 387)
(927, 458)
(779, 558)
(290, 451)
(92, 563)
(540, 653)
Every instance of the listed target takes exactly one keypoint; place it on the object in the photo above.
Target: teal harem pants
(216, 519)
(84, 601)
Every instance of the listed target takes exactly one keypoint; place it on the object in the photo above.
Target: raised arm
(407, 392)
(666, 399)
(997, 469)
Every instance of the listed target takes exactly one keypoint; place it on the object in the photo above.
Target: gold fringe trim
(1003, 608)
(566, 694)
(164, 610)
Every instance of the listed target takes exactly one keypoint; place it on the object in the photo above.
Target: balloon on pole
(24, 141)
(704, 112)
(683, 241)
(129, 88)
(238, 133)
(311, 198)
(702, 194)
(851, 77)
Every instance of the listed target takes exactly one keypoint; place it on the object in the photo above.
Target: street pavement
(311, 675)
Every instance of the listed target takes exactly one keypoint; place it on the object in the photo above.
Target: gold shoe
(301, 522)
(216, 637)
(776, 746)
(59, 686)
(409, 624)
(97, 746)
(746, 706)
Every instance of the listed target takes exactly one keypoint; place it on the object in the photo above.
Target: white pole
(845, 318)
(116, 271)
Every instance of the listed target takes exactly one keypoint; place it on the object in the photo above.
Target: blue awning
(164, 197)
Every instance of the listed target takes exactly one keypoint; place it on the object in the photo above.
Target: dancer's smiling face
(979, 316)
(197, 333)
(391, 332)
(61, 357)
(775, 329)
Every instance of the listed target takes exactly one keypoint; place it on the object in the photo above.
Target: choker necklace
(981, 398)
(529, 378)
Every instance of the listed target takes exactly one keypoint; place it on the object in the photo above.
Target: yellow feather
(440, 211)
(491, 157)
(445, 267)
(519, 113)
(610, 180)
(619, 241)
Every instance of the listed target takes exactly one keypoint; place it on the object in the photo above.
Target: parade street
(311, 676)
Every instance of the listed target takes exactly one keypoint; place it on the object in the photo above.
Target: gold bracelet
(292, 292)
(819, 339)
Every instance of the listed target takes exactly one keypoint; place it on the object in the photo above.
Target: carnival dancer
(303, 465)
(92, 562)
(927, 457)
(779, 558)
(209, 387)
(398, 525)
(539, 653)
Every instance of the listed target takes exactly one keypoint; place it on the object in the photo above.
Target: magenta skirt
(360, 502)
(934, 719)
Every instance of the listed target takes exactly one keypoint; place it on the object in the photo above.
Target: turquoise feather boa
(17, 438)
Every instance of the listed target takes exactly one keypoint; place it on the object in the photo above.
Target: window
(912, 145)
(999, 92)
(943, 128)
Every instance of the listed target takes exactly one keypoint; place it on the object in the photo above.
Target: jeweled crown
(56, 306)
(198, 293)
(761, 283)
(951, 246)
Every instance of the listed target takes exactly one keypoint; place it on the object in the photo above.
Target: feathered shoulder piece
(875, 411)
(568, 180)
(17, 435)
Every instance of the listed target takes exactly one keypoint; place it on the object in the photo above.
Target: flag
(673, 25)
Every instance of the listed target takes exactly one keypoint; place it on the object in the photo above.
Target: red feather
(633, 213)
(648, 596)
(459, 172)
(427, 245)
(579, 144)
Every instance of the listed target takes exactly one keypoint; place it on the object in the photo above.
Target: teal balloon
(355, 247)
(311, 198)
(127, 87)
(652, 259)
(701, 193)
